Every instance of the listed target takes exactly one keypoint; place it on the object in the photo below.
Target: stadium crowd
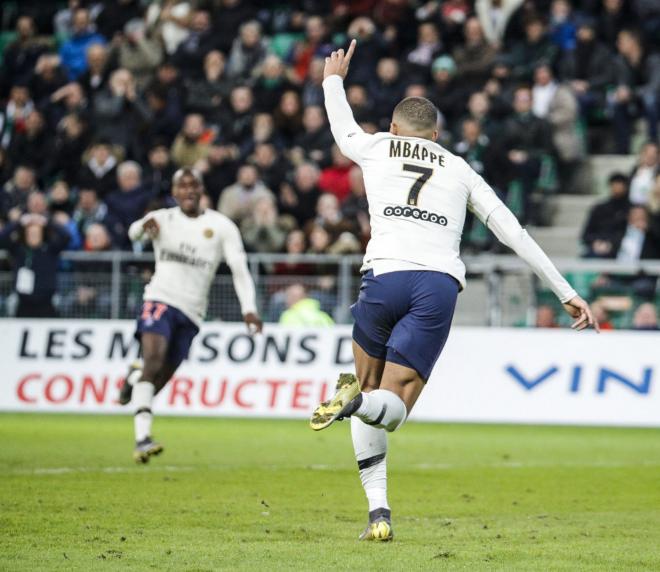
(103, 100)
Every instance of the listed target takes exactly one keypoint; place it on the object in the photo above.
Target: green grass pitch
(273, 495)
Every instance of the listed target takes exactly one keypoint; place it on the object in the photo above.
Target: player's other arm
(243, 284)
(145, 228)
(347, 133)
(498, 218)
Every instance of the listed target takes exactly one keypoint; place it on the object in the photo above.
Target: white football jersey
(188, 251)
(418, 193)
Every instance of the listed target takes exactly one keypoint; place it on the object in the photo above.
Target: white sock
(143, 395)
(370, 445)
(382, 408)
(134, 377)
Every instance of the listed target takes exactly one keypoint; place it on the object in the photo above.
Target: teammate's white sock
(382, 408)
(370, 445)
(143, 395)
(134, 377)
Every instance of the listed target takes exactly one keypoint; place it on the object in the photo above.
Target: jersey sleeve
(136, 232)
(232, 247)
(482, 199)
(349, 136)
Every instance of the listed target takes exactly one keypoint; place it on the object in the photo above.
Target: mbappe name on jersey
(411, 150)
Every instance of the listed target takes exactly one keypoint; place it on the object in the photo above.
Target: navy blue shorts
(177, 328)
(404, 317)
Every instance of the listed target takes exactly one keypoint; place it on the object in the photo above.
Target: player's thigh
(166, 373)
(405, 382)
(154, 353)
(368, 369)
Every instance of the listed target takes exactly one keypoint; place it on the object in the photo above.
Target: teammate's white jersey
(418, 193)
(188, 251)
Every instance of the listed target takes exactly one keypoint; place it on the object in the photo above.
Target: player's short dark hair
(189, 171)
(418, 112)
(618, 177)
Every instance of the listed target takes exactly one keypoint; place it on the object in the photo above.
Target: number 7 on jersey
(424, 175)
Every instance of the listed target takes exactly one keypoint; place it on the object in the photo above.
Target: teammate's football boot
(126, 390)
(342, 404)
(379, 527)
(146, 449)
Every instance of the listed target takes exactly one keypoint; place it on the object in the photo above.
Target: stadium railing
(502, 291)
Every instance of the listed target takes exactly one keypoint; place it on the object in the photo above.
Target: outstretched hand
(577, 308)
(253, 322)
(337, 62)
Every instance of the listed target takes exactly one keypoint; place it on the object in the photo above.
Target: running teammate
(412, 273)
(189, 243)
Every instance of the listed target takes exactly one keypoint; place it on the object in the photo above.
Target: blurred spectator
(272, 167)
(288, 116)
(192, 144)
(474, 59)
(312, 90)
(97, 74)
(89, 210)
(170, 19)
(219, 169)
(248, 51)
(91, 297)
(159, 171)
(262, 229)
(137, 52)
(640, 241)
(15, 192)
(526, 139)
(546, 317)
(238, 200)
(71, 141)
(117, 110)
(535, 49)
(372, 49)
(296, 243)
(600, 311)
(74, 50)
(319, 239)
(562, 25)
(229, 16)
(100, 171)
(238, 122)
(356, 207)
(588, 68)
(607, 221)
(302, 310)
(388, 86)
(334, 178)
(447, 93)
(299, 199)
(61, 197)
(207, 94)
(67, 100)
(33, 145)
(556, 103)
(615, 16)
(20, 56)
(330, 216)
(637, 94)
(315, 142)
(128, 203)
(429, 47)
(314, 47)
(645, 317)
(16, 111)
(494, 15)
(190, 53)
(47, 78)
(34, 244)
(643, 176)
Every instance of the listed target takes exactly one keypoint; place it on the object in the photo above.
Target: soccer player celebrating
(412, 272)
(189, 243)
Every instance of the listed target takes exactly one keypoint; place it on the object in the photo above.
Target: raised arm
(348, 135)
(499, 219)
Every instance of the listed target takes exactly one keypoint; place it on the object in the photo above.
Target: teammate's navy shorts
(404, 317)
(173, 324)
